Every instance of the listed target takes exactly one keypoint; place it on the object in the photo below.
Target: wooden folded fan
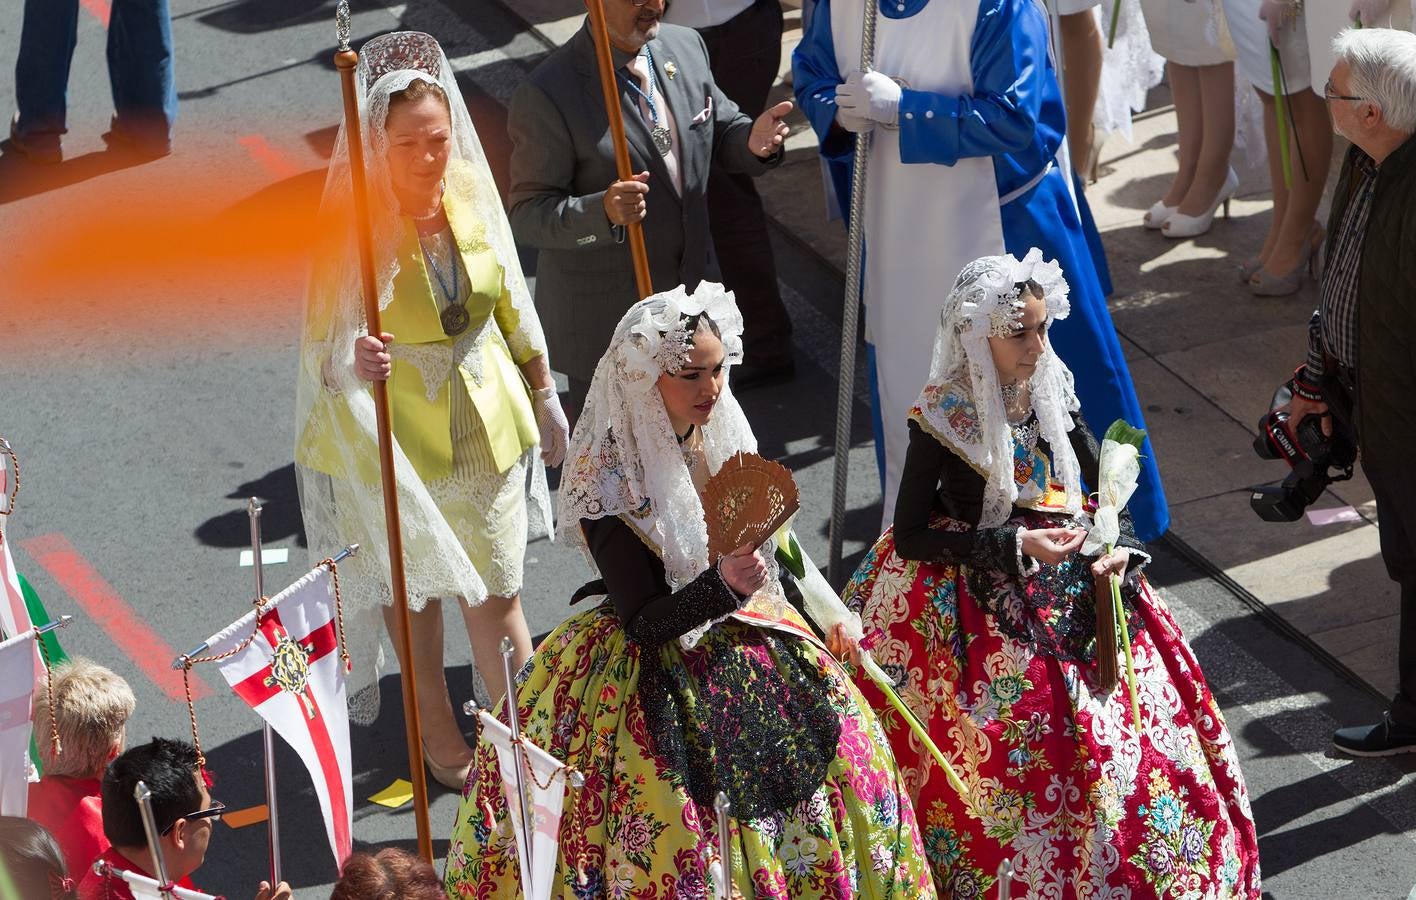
(746, 502)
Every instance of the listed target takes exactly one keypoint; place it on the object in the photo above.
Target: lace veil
(624, 458)
(341, 497)
(962, 405)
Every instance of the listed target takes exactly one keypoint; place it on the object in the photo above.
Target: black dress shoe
(1386, 738)
(44, 149)
(747, 377)
(122, 140)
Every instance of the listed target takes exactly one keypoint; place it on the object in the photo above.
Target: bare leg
(489, 622)
(1275, 164)
(442, 738)
(1190, 128)
(1081, 61)
(1292, 236)
(1216, 140)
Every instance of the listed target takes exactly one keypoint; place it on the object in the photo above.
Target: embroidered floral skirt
(646, 750)
(1057, 779)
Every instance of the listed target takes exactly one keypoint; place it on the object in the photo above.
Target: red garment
(92, 886)
(1057, 779)
(72, 810)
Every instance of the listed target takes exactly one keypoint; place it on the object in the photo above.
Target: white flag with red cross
(291, 673)
(543, 784)
(16, 706)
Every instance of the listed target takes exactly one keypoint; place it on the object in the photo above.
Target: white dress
(1325, 20)
(1251, 45)
(1188, 34)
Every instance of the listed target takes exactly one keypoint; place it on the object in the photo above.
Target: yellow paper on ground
(395, 795)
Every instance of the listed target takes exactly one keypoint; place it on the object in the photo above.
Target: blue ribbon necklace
(454, 316)
(663, 138)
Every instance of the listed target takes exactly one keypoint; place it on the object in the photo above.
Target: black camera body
(1312, 455)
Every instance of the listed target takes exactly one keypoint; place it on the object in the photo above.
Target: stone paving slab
(1205, 357)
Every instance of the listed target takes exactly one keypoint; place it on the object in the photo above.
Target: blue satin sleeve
(1015, 112)
(814, 80)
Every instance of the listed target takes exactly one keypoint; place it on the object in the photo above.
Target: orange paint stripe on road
(99, 9)
(275, 162)
(251, 815)
(145, 647)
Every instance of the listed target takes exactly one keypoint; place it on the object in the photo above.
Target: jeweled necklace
(1014, 402)
(454, 316)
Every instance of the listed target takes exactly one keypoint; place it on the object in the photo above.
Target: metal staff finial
(1005, 876)
(159, 864)
(722, 807)
(342, 24)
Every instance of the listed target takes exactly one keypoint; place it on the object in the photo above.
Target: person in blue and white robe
(967, 160)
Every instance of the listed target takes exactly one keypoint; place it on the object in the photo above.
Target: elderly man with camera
(1361, 367)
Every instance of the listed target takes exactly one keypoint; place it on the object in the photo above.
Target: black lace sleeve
(935, 482)
(1088, 451)
(634, 577)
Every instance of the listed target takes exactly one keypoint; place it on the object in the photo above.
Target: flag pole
(513, 721)
(253, 512)
(143, 797)
(722, 807)
(850, 315)
(345, 60)
(623, 172)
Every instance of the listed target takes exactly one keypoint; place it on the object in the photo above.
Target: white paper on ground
(1333, 515)
(268, 556)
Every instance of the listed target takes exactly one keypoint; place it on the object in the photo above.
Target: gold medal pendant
(454, 319)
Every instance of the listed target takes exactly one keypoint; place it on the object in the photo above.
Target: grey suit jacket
(562, 162)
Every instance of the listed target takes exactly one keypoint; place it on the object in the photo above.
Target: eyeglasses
(211, 812)
(1329, 95)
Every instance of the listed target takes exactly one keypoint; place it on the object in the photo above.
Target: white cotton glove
(1368, 11)
(874, 95)
(1279, 14)
(853, 123)
(555, 430)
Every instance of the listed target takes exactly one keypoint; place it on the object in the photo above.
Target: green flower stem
(1281, 115)
(1126, 646)
(918, 728)
(1115, 20)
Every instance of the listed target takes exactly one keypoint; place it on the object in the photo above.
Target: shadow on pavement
(280, 519)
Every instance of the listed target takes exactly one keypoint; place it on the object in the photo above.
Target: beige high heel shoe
(454, 777)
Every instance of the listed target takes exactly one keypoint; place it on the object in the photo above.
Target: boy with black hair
(183, 813)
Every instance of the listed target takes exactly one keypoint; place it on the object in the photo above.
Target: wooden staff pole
(601, 35)
(345, 60)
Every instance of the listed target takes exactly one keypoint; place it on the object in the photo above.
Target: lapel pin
(670, 69)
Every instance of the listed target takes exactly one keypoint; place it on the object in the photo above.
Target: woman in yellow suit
(474, 410)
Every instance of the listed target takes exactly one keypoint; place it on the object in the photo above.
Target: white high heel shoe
(1182, 226)
(1156, 217)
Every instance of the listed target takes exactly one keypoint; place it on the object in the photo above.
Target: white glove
(852, 122)
(873, 95)
(1368, 11)
(555, 430)
(1279, 14)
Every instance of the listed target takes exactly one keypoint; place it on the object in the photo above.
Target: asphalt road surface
(148, 328)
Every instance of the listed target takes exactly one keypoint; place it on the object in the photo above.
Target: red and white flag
(545, 804)
(14, 615)
(292, 675)
(145, 888)
(16, 707)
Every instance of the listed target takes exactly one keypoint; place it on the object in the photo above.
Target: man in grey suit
(567, 201)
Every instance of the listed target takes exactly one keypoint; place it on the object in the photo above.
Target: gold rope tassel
(1107, 673)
